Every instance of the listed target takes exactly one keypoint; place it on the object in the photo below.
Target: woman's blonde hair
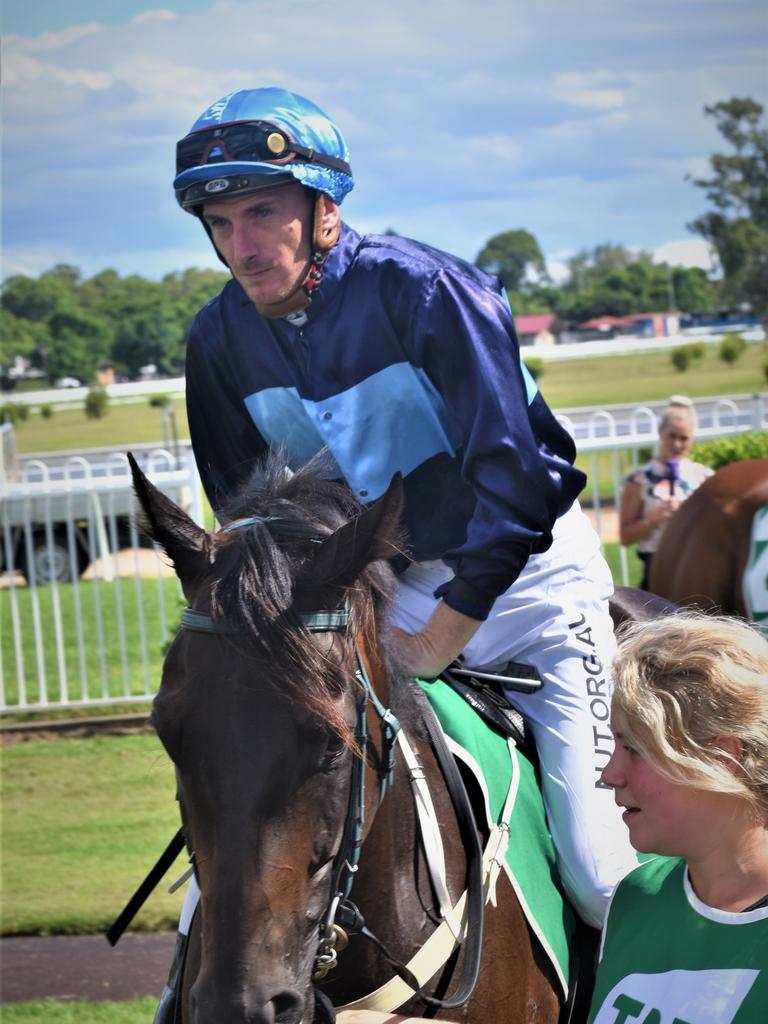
(679, 405)
(684, 682)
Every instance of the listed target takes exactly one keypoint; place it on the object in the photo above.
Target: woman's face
(662, 817)
(675, 437)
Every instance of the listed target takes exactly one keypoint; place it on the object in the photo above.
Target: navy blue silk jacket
(408, 362)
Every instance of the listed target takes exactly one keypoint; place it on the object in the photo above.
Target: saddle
(484, 692)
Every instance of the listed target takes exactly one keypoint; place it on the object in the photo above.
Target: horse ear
(376, 533)
(186, 543)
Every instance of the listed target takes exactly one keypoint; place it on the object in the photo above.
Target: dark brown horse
(704, 548)
(260, 710)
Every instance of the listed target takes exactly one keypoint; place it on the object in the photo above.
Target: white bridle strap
(437, 949)
(430, 835)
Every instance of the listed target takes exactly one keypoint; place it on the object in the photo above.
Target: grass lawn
(83, 822)
(565, 383)
(135, 1011)
(647, 377)
(70, 429)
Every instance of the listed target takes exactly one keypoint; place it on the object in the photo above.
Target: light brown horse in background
(703, 550)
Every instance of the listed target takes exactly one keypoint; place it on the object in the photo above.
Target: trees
(738, 188)
(511, 255)
(68, 326)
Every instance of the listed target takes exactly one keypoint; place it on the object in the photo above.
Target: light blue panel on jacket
(393, 420)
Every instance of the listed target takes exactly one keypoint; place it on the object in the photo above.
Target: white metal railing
(86, 610)
(85, 607)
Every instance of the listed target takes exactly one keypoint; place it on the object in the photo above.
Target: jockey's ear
(375, 534)
(186, 544)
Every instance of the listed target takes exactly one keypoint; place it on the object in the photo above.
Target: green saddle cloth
(530, 857)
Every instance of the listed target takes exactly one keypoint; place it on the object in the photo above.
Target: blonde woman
(654, 491)
(686, 935)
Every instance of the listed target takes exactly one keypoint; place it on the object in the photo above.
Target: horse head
(259, 709)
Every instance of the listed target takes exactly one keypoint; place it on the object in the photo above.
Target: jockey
(392, 356)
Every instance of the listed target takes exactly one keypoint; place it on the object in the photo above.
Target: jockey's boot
(169, 1008)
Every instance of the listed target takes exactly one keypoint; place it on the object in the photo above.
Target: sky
(578, 122)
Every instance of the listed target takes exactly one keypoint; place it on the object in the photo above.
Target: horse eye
(332, 754)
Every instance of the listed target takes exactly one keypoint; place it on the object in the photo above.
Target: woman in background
(686, 935)
(654, 491)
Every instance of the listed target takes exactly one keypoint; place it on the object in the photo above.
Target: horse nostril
(256, 1006)
(288, 1007)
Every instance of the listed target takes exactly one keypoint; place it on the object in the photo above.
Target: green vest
(667, 958)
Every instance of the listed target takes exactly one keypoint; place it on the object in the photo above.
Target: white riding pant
(555, 617)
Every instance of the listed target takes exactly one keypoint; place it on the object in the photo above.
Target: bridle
(342, 916)
(347, 859)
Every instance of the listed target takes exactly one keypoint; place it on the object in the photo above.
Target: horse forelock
(253, 584)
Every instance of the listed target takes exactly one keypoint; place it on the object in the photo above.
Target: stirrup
(169, 1008)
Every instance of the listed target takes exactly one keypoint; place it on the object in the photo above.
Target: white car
(68, 382)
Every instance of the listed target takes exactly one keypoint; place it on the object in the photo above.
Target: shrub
(731, 348)
(722, 450)
(535, 366)
(46, 411)
(159, 401)
(680, 357)
(696, 350)
(13, 412)
(96, 403)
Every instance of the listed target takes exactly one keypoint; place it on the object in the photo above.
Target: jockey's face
(675, 437)
(265, 238)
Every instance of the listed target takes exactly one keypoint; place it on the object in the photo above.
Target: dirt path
(84, 967)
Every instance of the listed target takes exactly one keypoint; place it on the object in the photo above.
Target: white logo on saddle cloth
(677, 997)
(755, 583)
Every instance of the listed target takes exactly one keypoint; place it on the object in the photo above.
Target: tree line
(70, 326)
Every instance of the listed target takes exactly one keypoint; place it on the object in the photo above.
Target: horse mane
(254, 576)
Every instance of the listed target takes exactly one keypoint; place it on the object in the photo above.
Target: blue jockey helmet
(260, 138)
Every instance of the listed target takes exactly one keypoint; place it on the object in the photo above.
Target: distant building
(537, 328)
(644, 325)
(105, 374)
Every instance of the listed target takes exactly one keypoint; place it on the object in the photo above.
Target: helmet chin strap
(323, 240)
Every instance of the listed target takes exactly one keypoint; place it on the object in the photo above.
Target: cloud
(686, 252)
(463, 119)
(49, 41)
(588, 89)
(21, 68)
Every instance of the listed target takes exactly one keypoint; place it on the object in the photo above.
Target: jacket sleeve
(515, 455)
(224, 439)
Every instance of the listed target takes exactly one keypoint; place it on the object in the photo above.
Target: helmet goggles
(257, 141)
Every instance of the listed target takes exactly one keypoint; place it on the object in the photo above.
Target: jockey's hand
(442, 640)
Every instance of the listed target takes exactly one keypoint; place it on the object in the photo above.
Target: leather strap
(139, 898)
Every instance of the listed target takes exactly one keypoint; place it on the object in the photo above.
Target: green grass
(565, 383)
(647, 377)
(134, 1011)
(69, 429)
(83, 822)
(114, 676)
(634, 565)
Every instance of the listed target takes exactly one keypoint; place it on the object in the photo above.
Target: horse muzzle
(263, 1004)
